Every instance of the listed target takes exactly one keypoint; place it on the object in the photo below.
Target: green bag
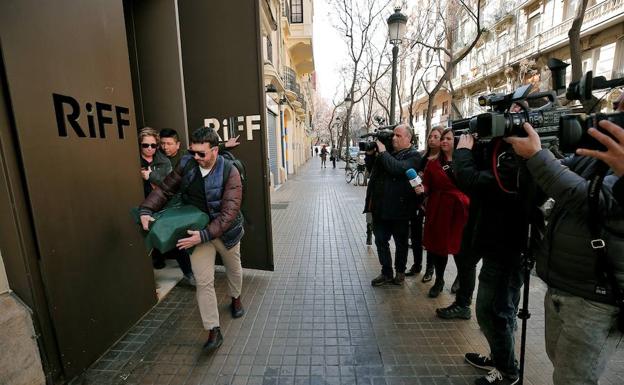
(171, 224)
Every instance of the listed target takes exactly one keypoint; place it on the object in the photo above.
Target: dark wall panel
(81, 177)
(157, 60)
(223, 79)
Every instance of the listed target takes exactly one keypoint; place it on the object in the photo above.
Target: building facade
(517, 40)
(288, 76)
(521, 36)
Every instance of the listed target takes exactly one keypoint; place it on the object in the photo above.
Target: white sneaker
(495, 377)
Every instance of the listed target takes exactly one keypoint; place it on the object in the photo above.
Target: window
(569, 8)
(502, 43)
(534, 25)
(269, 48)
(416, 118)
(424, 115)
(445, 109)
(296, 11)
(618, 60)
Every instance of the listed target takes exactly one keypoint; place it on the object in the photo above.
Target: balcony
(290, 83)
(608, 12)
(300, 105)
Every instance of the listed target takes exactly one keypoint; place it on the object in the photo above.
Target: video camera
(557, 126)
(383, 134)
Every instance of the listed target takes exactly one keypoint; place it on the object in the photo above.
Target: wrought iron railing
(290, 79)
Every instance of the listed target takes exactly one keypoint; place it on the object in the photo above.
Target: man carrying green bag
(213, 185)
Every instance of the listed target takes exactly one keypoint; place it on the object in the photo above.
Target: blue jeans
(399, 231)
(580, 337)
(497, 305)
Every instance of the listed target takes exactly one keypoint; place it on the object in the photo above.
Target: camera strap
(604, 269)
(447, 167)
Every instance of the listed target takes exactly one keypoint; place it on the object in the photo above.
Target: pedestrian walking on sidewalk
(213, 184)
(324, 156)
(447, 210)
(333, 157)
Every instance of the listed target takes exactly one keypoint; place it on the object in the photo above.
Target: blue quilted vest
(213, 188)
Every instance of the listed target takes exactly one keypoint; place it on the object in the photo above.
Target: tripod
(528, 261)
(523, 313)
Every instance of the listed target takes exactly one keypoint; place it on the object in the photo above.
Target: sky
(329, 50)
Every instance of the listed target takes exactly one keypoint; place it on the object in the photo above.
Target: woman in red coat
(447, 210)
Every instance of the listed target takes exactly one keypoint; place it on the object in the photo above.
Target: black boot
(414, 270)
(437, 287)
(428, 275)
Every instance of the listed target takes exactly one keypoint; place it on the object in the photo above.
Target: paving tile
(316, 320)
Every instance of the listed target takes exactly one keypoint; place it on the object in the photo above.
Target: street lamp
(396, 28)
(348, 102)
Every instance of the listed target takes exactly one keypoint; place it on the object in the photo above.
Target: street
(316, 319)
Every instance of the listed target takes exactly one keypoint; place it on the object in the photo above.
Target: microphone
(413, 177)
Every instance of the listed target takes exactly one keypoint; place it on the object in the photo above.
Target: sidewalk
(316, 319)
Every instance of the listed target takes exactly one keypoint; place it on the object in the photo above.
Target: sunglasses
(148, 145)
(201, 154)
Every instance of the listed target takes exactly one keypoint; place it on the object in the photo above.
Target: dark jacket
(565, 259)
(389, 195)
(160, 166)
(499, 217)
(223, 200)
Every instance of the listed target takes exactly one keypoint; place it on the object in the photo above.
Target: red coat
(446, 211)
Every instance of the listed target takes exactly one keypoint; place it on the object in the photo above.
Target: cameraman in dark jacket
(496, 232)
(392, 201)
(580, 311)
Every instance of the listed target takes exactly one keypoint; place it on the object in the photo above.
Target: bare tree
(357, 22)
(576, 53)
(450, 15)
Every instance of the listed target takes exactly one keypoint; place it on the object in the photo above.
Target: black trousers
(466, 262)
(183, 258)
(416, 237)
(399, 231)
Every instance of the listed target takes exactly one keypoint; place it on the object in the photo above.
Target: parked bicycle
(355, 170)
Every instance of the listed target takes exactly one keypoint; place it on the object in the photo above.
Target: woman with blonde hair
(154, 164)
(432, 150)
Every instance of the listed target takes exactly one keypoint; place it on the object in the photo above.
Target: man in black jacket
(392, 202)
(580, 258)
(498, 234)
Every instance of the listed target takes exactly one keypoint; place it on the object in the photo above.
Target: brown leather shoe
(236, 308)
(215, 339)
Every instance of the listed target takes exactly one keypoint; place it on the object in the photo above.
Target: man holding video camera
(497, 232)
(391, 200)
(584, 270)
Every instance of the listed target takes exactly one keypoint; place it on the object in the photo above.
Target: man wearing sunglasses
(213, 184)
